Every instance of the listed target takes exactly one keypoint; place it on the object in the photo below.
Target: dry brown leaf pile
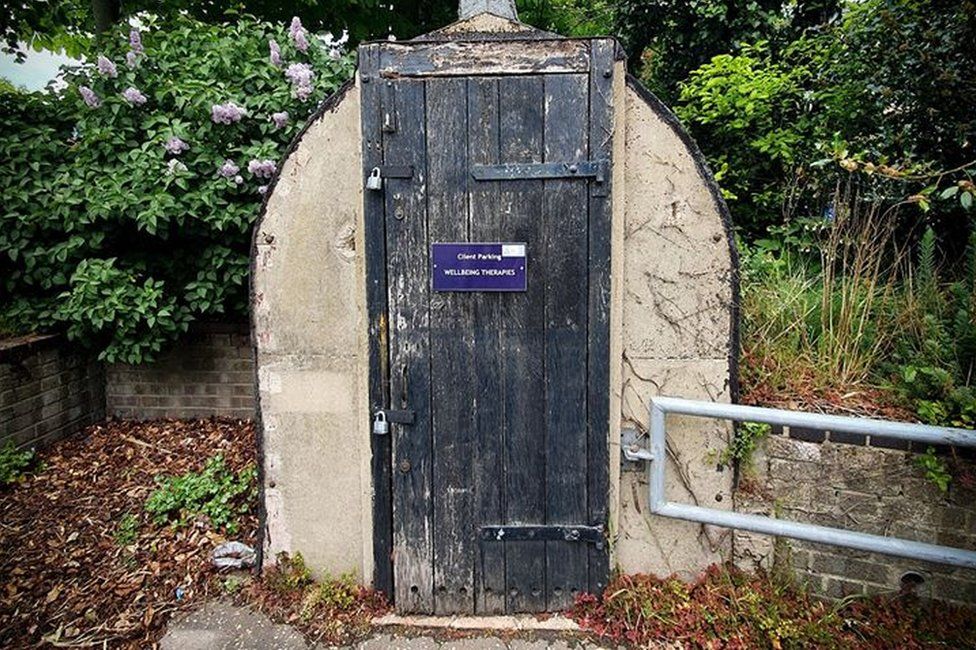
(66, 579)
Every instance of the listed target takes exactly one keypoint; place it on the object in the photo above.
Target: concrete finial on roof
(501, 8)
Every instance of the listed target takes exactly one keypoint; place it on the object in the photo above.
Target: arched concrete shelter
(327, 355)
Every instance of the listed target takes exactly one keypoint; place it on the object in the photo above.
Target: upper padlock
(374, 181)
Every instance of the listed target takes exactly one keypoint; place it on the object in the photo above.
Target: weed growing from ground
(216, 493)
(127, 530)
(729, 608)
(13, 463)
(332, 610)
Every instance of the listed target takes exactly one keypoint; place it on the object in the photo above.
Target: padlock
(380, 426)
(374, 181)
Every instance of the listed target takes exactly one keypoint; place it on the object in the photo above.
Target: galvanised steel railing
(656, 455)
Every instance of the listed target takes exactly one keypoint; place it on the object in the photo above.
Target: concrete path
(219, 625)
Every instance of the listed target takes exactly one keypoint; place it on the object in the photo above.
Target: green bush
(13, 463)
(130, 193)
(217, 493)
(782, 126)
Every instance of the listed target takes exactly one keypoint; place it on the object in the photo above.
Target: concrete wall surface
(309, 326)
(209, 372)
(48, 390)
(676, 338)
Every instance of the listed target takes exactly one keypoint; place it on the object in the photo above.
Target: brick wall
(48, 390)
(210, 372)
(868, 485)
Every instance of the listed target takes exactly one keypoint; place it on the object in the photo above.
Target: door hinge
(598, 170)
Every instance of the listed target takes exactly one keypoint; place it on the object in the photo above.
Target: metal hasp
(659, 505)
(586, 534)
(399, 416)
(598, 170)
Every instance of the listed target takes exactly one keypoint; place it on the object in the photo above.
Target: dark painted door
(498, 487)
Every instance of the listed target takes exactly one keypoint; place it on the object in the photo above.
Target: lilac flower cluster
(230, 170)
(106, 67)
(133, 96)
(176, 146)
(135, 41)
(135, 48)
(298, 35)
(280, 119)
(262, 168)
(89, 96)
(300, 75)
(275, 51)
(226, 113)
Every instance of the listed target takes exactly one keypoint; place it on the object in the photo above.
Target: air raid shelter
(480, 260)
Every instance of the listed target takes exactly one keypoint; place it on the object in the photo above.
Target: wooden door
(497, 458)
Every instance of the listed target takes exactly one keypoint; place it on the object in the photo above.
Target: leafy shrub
(216, 493)
(14, 462)
(129, 194)
(781, 126)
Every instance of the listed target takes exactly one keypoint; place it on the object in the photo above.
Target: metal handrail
(656, 456)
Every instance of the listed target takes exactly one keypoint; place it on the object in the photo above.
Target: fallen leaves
(67, 581)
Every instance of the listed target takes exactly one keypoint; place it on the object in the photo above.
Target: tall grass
(811, 318)
(839, 308)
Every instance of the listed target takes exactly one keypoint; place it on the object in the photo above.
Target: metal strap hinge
(598, 170)
(553, 533)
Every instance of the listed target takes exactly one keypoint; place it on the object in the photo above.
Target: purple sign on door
(478, 267)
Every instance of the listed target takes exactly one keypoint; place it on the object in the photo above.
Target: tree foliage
(129, 194)
(885, 93)
(67, 24)
(667, 39)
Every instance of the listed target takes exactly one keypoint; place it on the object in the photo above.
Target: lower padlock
(380, 425)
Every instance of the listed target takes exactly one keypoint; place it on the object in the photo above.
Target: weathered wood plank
(601, 133)
(522, 325)
(452, 374)
(565, 210)
(375, 238)
(462, 59)
(408, 296)
(485, 224)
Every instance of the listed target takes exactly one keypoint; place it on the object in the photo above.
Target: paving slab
(220, 625)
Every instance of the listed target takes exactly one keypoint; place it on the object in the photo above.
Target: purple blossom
(89, 96)
(106, 67)
(298, 35)
(262, 168)
(226, 113)
(275, 50)
(135, 41)
(228, 169)
(131, 59)
(263, 190)
(176, 146)
(300, 75)
(133, 96)
(280, 119)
